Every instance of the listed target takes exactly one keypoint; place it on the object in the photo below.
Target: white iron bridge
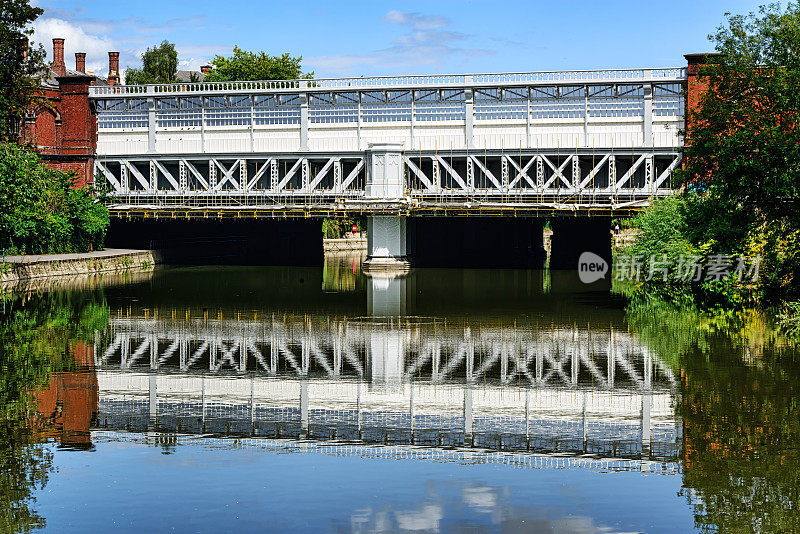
(539, 141)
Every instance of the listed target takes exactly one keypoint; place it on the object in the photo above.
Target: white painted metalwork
(472, 138)
(430, 180)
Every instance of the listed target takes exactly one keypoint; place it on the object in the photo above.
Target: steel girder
(230, 176)
(501, 179)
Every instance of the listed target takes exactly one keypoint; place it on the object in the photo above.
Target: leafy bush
(40, 209)
(336, 228)
(662, 231)
(789, 319)
(701, 223)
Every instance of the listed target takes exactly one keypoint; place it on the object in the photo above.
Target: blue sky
(414, 37)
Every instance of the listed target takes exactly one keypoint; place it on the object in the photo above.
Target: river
(207, 399)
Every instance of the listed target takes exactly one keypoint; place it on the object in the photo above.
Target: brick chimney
(205, 69)
(58, 57)
(80, 61)
(113, 68)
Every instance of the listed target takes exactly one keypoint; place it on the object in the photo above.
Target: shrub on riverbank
(740, 177)
(700, 225)
(337, 228)
(662, 231)
(40, 209)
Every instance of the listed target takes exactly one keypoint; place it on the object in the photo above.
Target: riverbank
(27, 267)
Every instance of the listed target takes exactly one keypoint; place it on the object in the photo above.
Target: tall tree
(244, 65)
(20, 66)
(741, 166)
(743, 144)
(159, 65)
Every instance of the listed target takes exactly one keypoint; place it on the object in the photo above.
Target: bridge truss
(506, 388)
(487, 181)
(560, 358)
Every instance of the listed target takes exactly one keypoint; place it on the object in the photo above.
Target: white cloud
(416, 20)
(192, 63)
(426, 43)
(79, 37)
(192, 57)
(75, 40)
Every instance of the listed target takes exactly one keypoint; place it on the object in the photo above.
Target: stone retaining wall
(350, 243)
(17, 268)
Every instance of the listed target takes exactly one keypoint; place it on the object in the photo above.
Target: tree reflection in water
(740, 385)
(741, 439)
(43, 345)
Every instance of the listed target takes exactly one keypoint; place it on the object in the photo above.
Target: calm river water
(248, 399)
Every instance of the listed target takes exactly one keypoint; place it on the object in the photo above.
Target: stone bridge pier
(386, 233)
(396, 240)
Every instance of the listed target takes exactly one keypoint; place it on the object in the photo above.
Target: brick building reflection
(68, 407)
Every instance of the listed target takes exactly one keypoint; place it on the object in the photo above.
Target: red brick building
(64, 131)
(696, 84)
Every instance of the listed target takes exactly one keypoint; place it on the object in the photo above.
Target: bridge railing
(383, 82)
(309, 137)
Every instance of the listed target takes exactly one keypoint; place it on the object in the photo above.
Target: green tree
(20, 66)
(741, 173)
(244, 65)
(40, 209)
(744, 139)
(159, 65)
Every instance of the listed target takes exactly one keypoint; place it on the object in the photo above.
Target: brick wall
(64, 131)
(696, 84)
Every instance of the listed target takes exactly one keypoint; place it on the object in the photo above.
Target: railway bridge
(401, 151)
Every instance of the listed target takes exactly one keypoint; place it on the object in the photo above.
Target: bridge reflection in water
(528, 395)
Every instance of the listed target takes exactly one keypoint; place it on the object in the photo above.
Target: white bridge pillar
(386, 345)
(386, 234)
(387, 296)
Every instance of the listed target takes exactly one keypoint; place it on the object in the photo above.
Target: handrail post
(648, 115)
(151, 124)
